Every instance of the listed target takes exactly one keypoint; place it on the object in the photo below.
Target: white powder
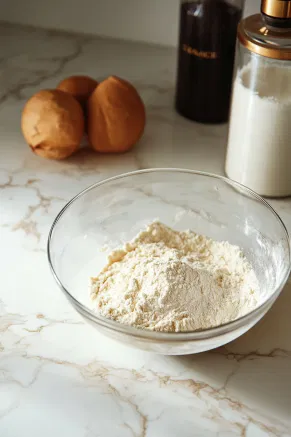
(259, 151)
(166, 280)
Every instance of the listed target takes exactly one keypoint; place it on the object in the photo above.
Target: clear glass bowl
(113, 211)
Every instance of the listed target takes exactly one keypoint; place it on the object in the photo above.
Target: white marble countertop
(58, 376)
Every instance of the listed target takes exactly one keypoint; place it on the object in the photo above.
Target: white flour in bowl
(171, 281)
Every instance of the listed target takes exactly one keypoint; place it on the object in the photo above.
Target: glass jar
(259, 143)
(206, 57)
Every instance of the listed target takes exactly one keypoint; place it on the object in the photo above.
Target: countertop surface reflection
(58, 376)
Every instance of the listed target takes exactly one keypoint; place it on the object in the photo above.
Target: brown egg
(53, 124)
(116, 116)
(80, 87)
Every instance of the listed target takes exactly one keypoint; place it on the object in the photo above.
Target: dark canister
(206, 58)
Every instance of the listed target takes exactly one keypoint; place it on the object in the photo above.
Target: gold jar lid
(256, 36)
(276, 8)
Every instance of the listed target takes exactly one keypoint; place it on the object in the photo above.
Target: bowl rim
(160, 335)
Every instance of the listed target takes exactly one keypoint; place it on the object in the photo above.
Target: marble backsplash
(152, 21)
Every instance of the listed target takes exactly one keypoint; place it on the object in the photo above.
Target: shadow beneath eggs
(87, 159)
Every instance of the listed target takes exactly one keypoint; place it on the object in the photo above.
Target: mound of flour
(165, 280)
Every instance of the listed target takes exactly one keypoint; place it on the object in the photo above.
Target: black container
(206, 58)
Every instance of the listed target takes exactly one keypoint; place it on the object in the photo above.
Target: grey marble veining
(58, 377)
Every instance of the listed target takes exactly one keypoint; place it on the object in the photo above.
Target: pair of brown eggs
(111, 113)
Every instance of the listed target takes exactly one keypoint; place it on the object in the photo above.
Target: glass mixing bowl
(113, 211)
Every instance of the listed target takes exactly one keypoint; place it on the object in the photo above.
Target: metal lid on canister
(276, 8)
(269, 33)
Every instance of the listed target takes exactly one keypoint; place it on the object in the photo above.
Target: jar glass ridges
(259, 152)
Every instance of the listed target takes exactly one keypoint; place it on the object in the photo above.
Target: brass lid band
(276, 8)
(261, 49)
